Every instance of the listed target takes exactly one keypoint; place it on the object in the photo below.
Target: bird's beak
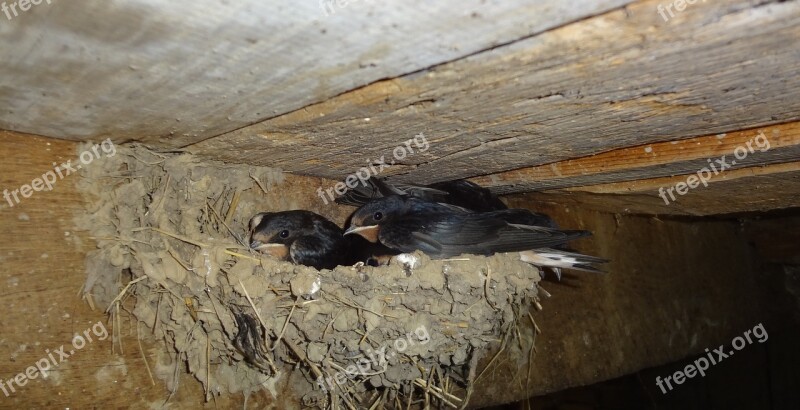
(369, 233)
(277, 250)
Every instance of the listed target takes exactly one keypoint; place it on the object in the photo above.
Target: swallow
(441, 230)
(301, 237)
(306, 238)
(459, 194)
(471, 196)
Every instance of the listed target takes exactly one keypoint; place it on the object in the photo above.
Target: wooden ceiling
(178, 72)
(502, 90)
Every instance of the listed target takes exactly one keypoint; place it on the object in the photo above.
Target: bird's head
(274, 232)
(367, 220)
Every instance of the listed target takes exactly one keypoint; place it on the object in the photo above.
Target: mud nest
(170, 230)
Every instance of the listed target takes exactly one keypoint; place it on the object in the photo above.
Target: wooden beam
(42, 255)
(642, 185)
(624, 78)
(667, 280)
(753, 189)
(776, 239)
(760, 146)
(174, 73)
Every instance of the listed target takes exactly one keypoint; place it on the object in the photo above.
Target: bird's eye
(378, 216)
(284, 234)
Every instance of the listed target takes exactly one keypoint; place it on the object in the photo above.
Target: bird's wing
(524, 217)
(425, 243)
(358, 196)
(319, 251)
(474, 233)
(375, 188)
(470, 195)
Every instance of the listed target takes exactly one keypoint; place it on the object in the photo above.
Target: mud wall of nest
(170, 234)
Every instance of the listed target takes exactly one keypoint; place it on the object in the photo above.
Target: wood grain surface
(621, 79)
(176, 72)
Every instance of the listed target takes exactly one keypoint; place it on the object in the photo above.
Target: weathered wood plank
(777, 239)
(767, 145)
(666, 283)
(621, 79)
(42, 259)
(753, 189)
(176, 72)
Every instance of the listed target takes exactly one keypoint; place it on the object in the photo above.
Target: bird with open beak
(406, 224)
(301, 237)
(306, 238)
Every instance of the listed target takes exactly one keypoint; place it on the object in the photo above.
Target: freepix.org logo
(377, 359)
(718, 166)
(364, 174)
(702, 364)
(50, 361)
(13, 9)
(48, 179)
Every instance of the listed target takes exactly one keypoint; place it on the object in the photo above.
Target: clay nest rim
(172, 227)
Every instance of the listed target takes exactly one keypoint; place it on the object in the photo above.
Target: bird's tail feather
(555, 258)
